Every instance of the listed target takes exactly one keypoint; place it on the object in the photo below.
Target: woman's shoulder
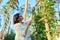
(16, 24)
(20, 23)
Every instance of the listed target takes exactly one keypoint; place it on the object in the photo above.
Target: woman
(20, 28)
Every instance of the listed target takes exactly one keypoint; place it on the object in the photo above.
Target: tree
(45, 21)
(21, 8)
(10, 36)
(5, 10)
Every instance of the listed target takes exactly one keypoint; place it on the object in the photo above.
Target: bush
(10, 36)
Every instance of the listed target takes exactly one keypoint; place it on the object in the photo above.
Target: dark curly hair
(16, 17)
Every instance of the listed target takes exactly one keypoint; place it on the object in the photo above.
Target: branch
(41, 19)
(36, 6)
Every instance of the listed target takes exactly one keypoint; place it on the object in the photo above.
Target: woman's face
(20, 19)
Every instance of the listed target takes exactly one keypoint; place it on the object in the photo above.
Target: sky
(56, 8)
(21, 2)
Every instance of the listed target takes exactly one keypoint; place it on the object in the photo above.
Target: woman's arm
(28, 24)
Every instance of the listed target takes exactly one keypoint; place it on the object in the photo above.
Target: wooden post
(4, 26)
(25, 11)
(47, 29)
(0, 1)
(46, 20)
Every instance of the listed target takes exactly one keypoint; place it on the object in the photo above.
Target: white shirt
(19, 30)
(57, 38)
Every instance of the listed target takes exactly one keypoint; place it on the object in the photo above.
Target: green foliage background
(10, 36)
(40, 33)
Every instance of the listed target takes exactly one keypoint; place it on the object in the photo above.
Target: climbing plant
(45, 22)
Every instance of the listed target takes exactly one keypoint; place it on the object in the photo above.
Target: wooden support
(25, 11)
